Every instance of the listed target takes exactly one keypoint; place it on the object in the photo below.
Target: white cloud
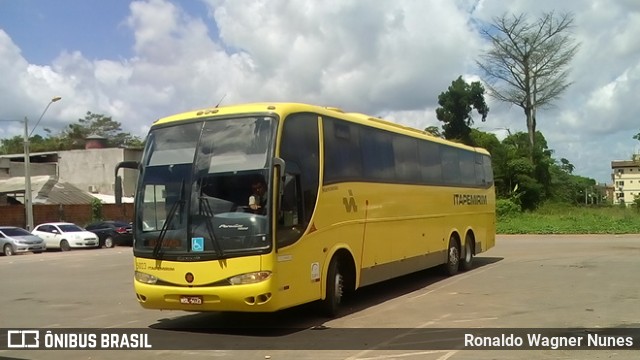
(385, 58)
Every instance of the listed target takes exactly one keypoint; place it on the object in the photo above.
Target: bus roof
(284, 109)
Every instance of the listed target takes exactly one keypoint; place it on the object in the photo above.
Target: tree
(434, 130)
(513, 166)
(565, 165)
(98, 124)
(455, 109)
(528, 183)
(14, 145)
(527, 63)
(73, 136)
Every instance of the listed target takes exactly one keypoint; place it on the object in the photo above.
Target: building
(626, 180)
(68, 176)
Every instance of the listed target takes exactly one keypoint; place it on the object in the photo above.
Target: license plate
(190, 300)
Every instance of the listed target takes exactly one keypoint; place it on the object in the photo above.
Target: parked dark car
(112, 233)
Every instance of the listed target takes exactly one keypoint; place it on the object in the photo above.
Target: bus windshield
(193, 199)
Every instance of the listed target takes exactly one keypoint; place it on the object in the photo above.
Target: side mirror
(280, 165)
(118, 190)
(118, 180)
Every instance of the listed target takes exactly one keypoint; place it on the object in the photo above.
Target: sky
(137, 61)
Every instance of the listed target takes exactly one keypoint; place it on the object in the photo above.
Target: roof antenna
(223, 96)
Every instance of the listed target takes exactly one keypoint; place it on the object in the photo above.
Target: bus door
(299, 251)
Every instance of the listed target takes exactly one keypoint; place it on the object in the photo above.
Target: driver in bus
(258, 198)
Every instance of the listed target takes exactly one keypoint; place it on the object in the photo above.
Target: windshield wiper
(208, 213)
(165, 226)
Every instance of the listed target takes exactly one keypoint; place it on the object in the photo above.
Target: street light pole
(27, 166)
(27, 178)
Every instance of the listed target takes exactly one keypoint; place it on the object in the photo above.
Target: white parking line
(476, 319)
(448, 354)
(121, 324)
(424, 325)
(456, 279)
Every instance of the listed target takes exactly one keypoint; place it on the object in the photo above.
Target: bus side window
(290, 217)
(290, 201)
(300, 150)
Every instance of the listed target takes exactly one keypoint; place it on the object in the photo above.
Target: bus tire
(330, 306)
(467, 261)
(453, 257)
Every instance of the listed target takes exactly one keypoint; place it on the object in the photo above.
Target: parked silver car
(14, 240)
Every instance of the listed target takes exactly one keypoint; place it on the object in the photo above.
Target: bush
(636, 202)
(96, 210)
(506, 207)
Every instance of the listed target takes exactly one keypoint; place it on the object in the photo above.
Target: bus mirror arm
(118, 185)
(127, 165)
(280, 164)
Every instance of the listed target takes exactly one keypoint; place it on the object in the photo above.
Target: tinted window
(45, 228)
(450, 166)
(431, 162)
(488, 171)
(359, 153)
(377, 155)
(480, 181)
(300, 148)
(405, 150)
(15, 232)
(70, 228)
(467, 163)
(343, 160)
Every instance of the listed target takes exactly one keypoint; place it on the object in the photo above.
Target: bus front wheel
(453, 256)
(335, 287)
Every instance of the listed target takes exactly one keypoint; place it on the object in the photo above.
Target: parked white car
(65, 236)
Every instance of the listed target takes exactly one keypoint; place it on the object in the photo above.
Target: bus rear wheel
(453, 257)
(335, 287)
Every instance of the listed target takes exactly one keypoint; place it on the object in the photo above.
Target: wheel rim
(108, 242)
(8, 251)
(467, 255)
(64, 246)
(453, 256)
(337, 283)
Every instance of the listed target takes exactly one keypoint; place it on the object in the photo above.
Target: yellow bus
(350, 200)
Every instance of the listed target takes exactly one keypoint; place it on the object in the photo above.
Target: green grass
(563, 219)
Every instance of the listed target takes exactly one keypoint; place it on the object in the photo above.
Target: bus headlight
(145, 278)
(250, 278)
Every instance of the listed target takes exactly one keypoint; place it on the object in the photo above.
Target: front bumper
(259, 297)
